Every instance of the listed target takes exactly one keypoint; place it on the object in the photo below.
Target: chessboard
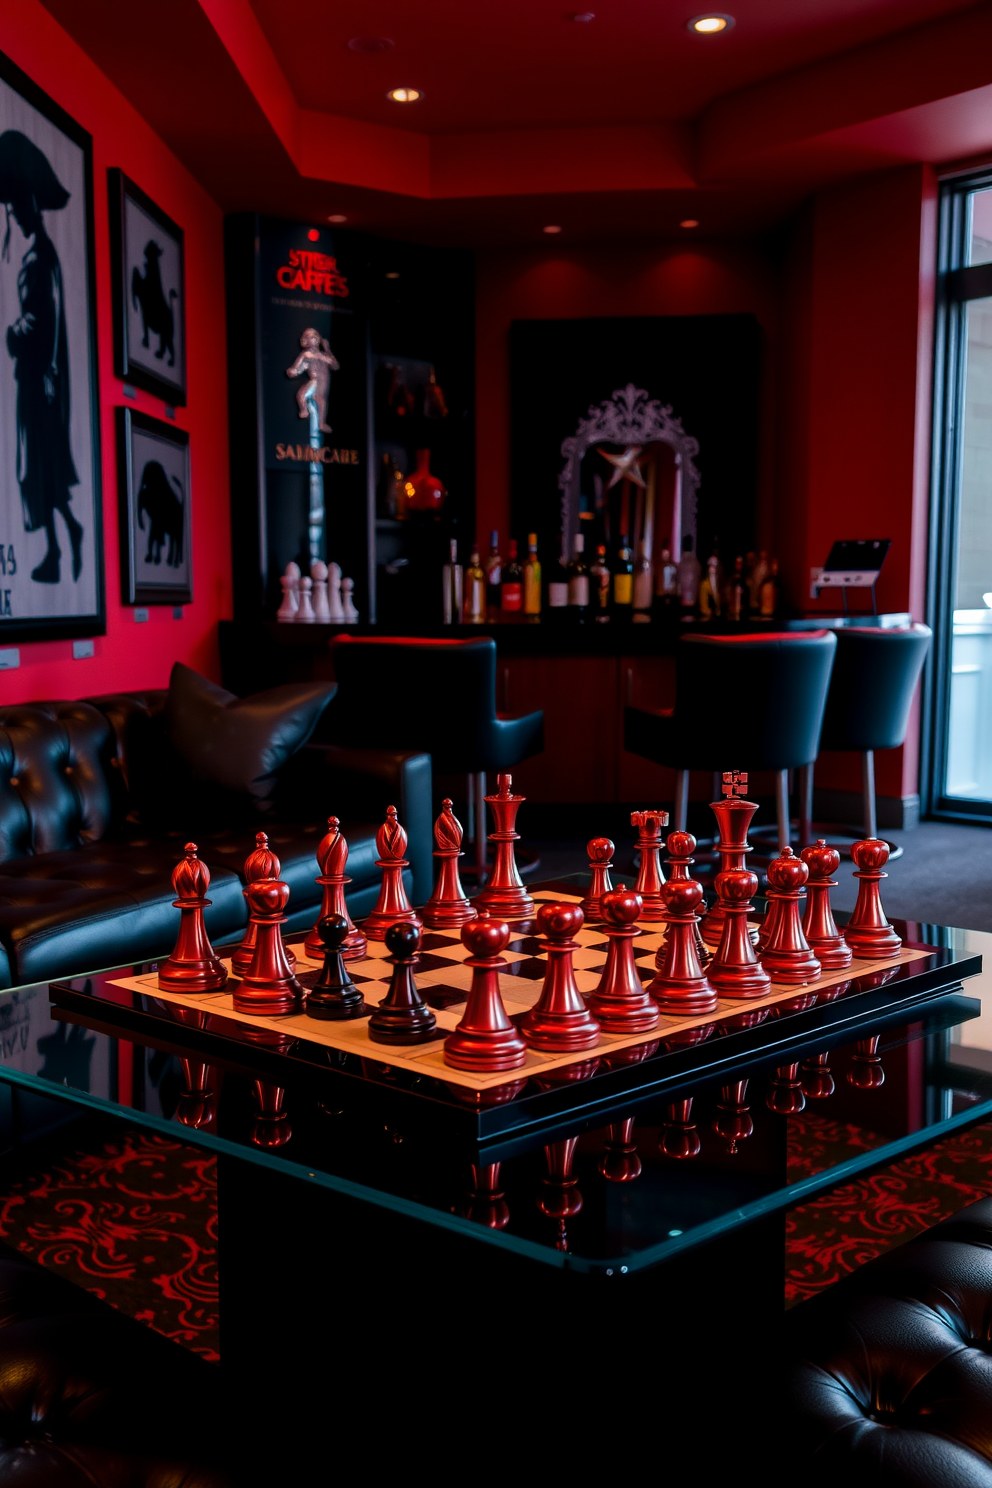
(444, 980)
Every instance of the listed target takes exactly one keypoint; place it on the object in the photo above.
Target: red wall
(131, 655)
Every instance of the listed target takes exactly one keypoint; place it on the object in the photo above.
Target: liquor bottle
(511, 594)
(475, 591)
(759, 574)
(454, 587)
(599, 586)
(494, 577)
(643, 584)
(736, 605)
(709, 590)
(689, 574)
(668, 578)
(770, 596)
(578, 580)
(532, 582)
(623, 582)
(558, 593)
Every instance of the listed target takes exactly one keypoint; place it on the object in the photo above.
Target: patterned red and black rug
(132, 1219)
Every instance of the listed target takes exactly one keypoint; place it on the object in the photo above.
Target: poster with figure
(153, 461)
(149, 293)
(51, 554)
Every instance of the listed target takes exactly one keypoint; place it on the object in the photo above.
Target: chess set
(489, 994)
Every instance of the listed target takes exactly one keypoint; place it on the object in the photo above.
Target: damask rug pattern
(836, 1233)
(133, 1220)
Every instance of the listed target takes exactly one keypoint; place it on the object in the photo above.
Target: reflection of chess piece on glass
(679, 1133)
(315, 362)
(560, 1198)
(619, 1162)
(733, 1120)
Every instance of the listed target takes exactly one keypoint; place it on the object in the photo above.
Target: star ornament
(626, 466)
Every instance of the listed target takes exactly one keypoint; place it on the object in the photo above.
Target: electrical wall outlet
(10, 658)
(81, 649)
(139, 616)
(814, 579)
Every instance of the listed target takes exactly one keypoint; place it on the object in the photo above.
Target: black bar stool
(437, 696)
(747, 702)
(871, 692)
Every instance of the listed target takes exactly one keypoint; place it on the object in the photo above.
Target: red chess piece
(681, 846)
(402, 1016)
(259, 865)
(485, 1039)
(679, 1133)
(734, 817)
(733, 1120)
(332, 858)
(269, 986)
(819, 928)
(868, 932)
(650, 879)
(392, 906)
(866, 1072)
(786, 956)
(600, 851)
(193, 965)
(271, 1127)
(560, 1198)
(559, 1022)
(504, 896)
(486, 1200)
(680, 986)
(734, 970)
(816, 1079)
(620, 1002)
(619, 1162)
(448, 905)
(785, 1094)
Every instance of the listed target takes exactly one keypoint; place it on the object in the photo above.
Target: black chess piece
(334, 994)
(402, 1016)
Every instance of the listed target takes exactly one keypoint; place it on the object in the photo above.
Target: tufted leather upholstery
(55, 766)
(890, 1374)
(88, 1396)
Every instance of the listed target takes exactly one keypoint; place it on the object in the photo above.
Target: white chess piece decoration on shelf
(336, 613)
(348, 604)
(290, 582)
(305, 615)
(321, 608)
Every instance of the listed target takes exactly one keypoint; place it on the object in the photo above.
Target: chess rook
(620, 1002)
(332, 859)
(733, 817)
(447, 906)
(734, 970)
(868, 932)
(269, 986)
(650, 878)
(825, 940)
(402, 1016)
(679, 986)
(485, 1039)
(504, 896)
(560, 1022)
(334, 995)
(786, 955)
(392, 906)
(193, 965)
(600, 852)
(259, 865)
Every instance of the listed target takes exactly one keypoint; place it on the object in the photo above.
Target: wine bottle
(511, 594)
(532, 581)
(453, 586)
(475, 591)
(643, 584)
(494, 577)
(623, 582)
(578, 580)
(558, 593)
(599, 586)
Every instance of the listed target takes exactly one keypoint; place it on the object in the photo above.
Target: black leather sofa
(889, 1372)
(92, 824)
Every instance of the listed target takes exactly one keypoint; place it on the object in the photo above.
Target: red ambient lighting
(313, 235)
(689, 222)
(551, 229)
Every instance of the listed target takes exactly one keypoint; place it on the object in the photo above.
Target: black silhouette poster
(51, 575)
(156, 562)
(149, 298)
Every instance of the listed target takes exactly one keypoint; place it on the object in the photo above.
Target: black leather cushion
(56, 777)
(232, 748)
(873, 685)
(889, 1379)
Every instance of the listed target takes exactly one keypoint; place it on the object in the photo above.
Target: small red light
(689, 222)
(313, 235)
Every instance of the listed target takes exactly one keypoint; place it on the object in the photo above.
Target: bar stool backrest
(872, 687)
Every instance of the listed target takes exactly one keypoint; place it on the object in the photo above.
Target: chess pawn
(560, 1198)
(679, 1133)
(348, 603)
(269, 986)
(650, 878)
(815, 1076)
(305, 614)
(270, 1127)
(486, 1200)
(504, 895)
(392, 905)
(260, 864)
(402, 1016)
(681, 846)
(866, 1072)
(786, 955)
(619, 1162)
(734, 970)
(332, 859)
(334, 995)
(620, 1003)
(825, 940)
(560, 1022)
(679, 986)
(447, 906)
(290, 582)
(334, 605)
(868, 932)
(733, 1120)
(193, 965)
(600, 851)
(321, 608)
(785, 1093)
(485, 1039)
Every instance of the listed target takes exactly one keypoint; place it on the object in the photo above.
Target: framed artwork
(149, 293)
(156, 533)
(51, 530)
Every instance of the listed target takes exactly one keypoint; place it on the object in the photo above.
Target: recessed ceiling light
(393, 274)
(709, 25)
(404, 95)
(371, 44)
(337, 217)
(552, 229)
(689, 222)
(583, 17)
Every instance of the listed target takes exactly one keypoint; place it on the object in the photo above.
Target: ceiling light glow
(404, 95)
(689, 222)
(337, 217)
(710, 25)
(583, 17)
(551, 229)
